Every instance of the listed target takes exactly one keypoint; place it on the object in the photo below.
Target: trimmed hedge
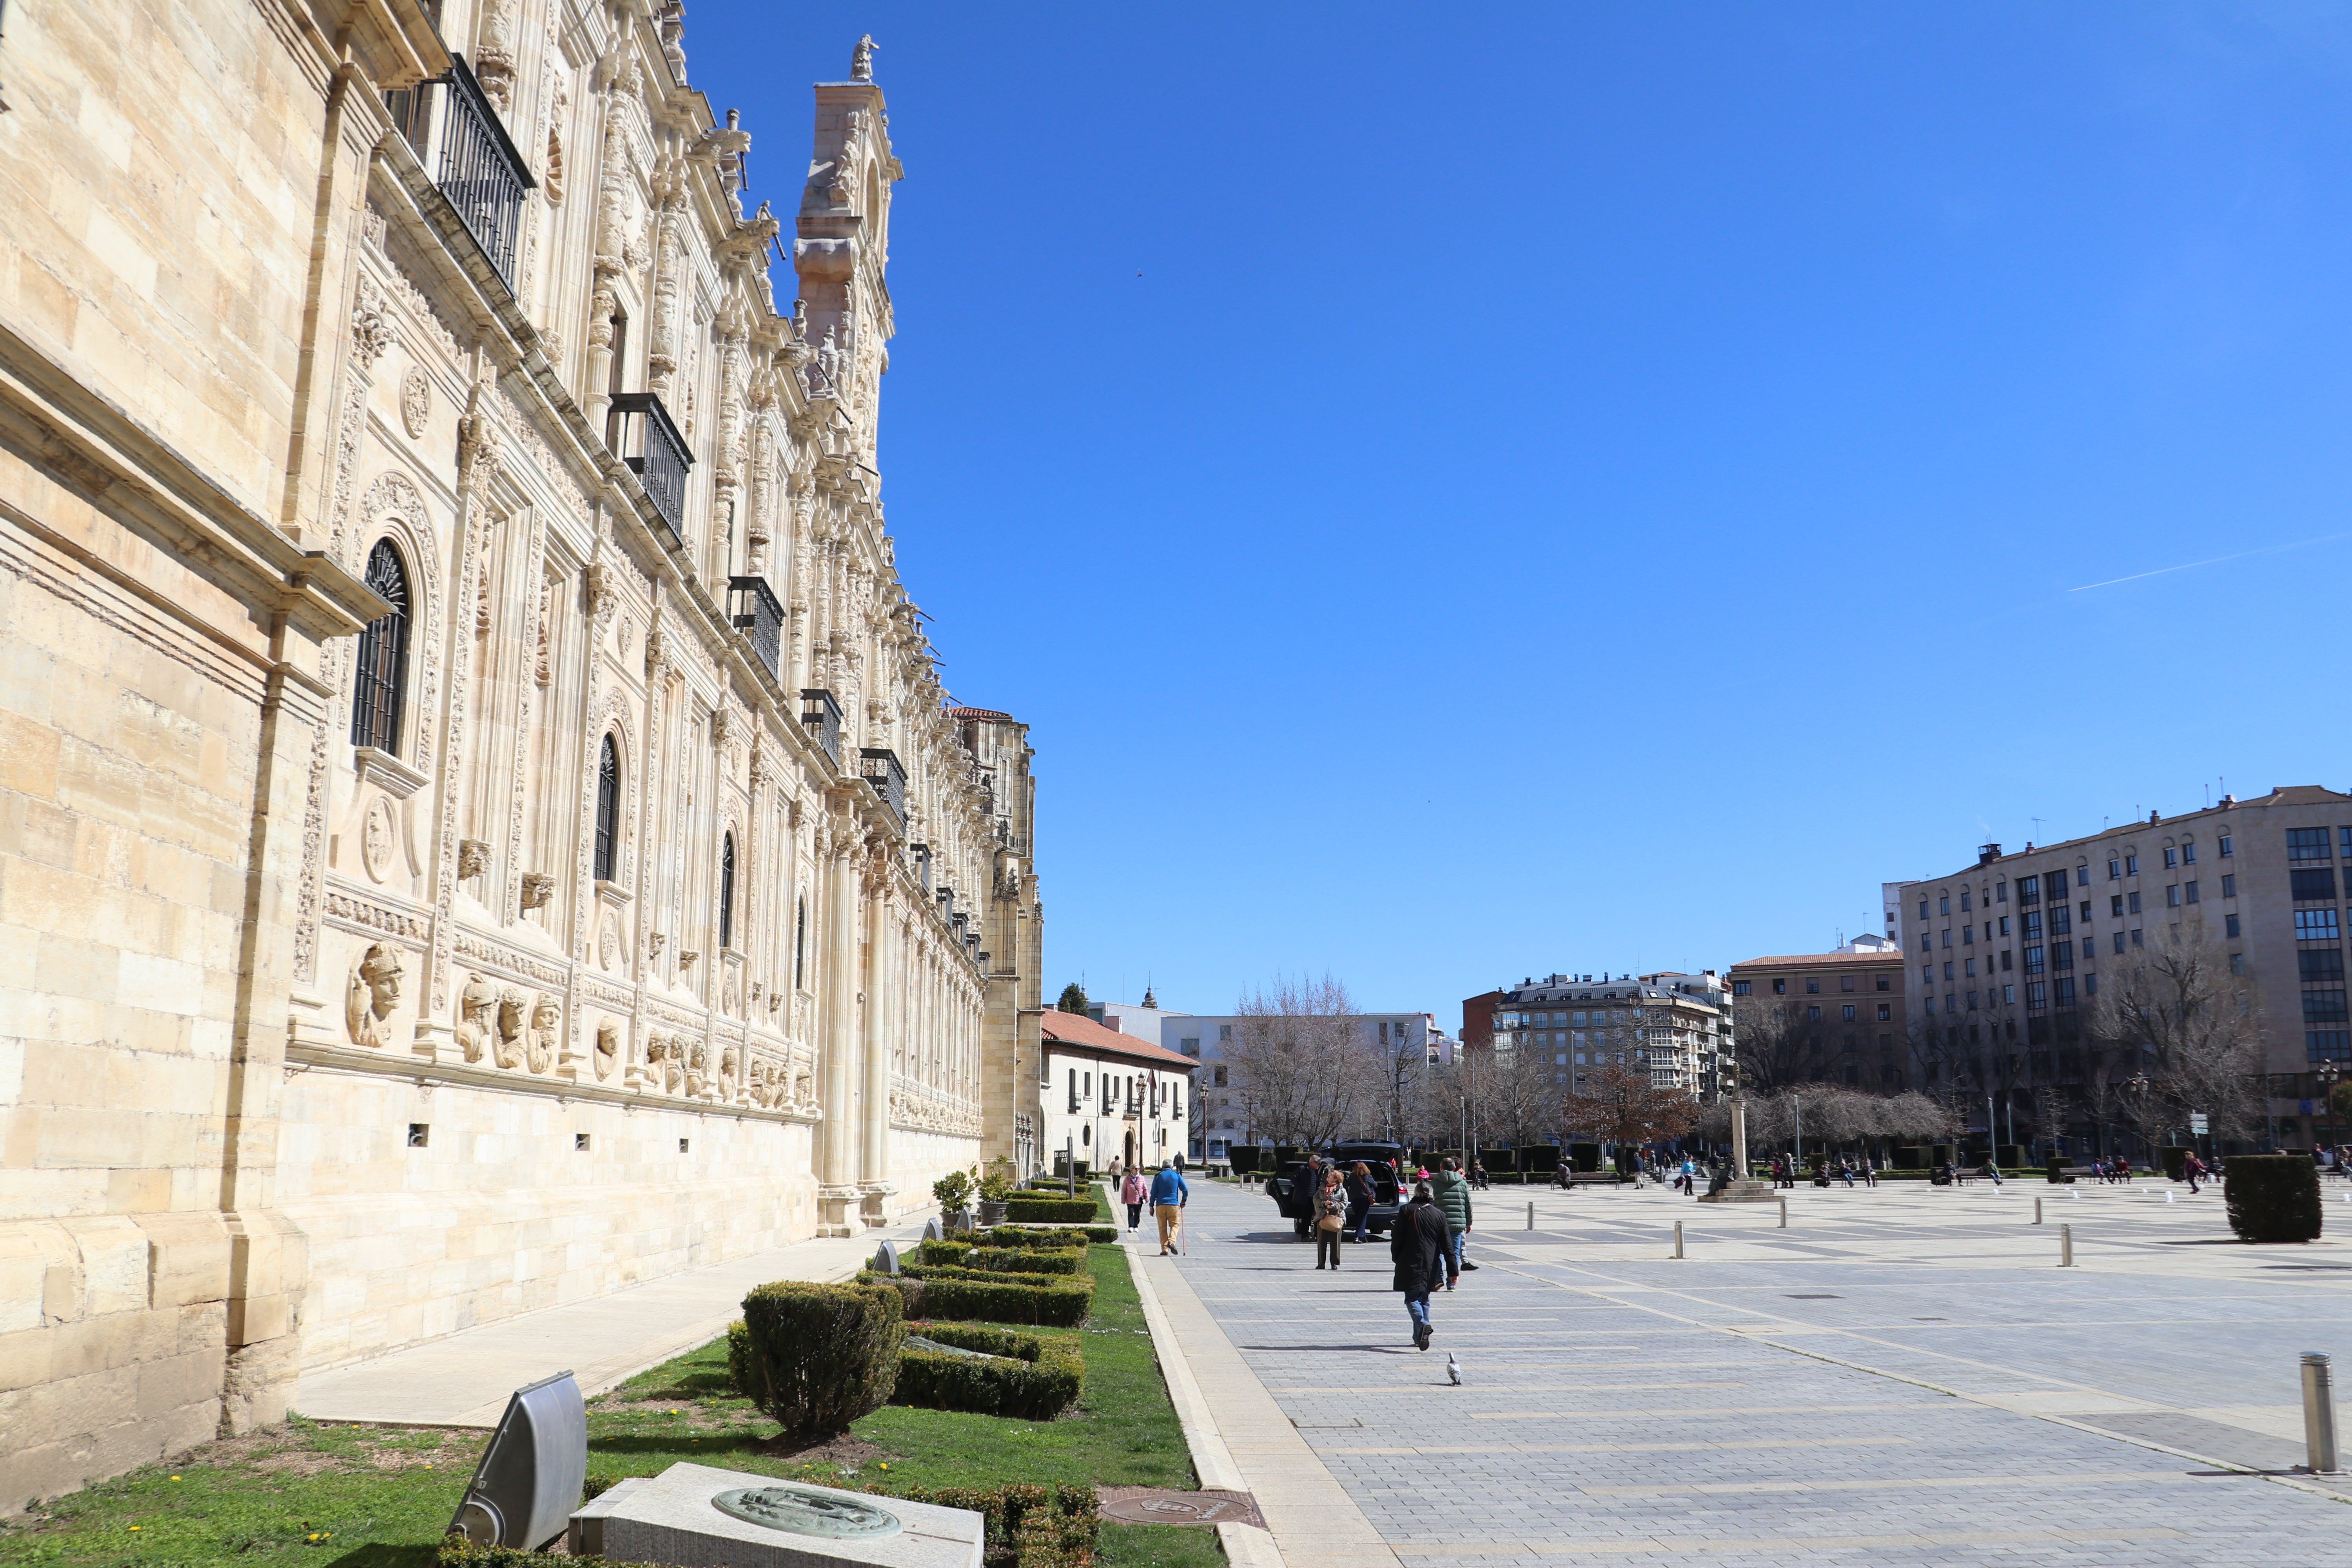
(817, 1357)
(1023, 1526)
(1539, 1159)
(1242, 1157)
(2176, 1163)
(966, 1294)
(2272, 1197)
(1003, 1260)
(1014, 1235)
(1049, 1211)
(1038, 1379)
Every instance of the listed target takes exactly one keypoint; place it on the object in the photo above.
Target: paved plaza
(1902, 1375)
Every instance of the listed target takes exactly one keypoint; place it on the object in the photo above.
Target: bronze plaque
(1157, 1505)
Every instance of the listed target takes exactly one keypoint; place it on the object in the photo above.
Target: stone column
(876, 1185)
(1738, 1139)
(837, 1188)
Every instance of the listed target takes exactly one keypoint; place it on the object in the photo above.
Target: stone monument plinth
(698, 1517)
(1742, 1188)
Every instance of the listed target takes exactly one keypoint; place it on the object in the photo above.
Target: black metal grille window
(822, 715)
(481, 173)
(883, 771)
(608, 809)
(727, 891)
(800, 944)
(752, 607)
(641, 431)
(382, 683)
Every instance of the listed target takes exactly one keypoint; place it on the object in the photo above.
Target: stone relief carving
(697, 1069)
(608, 1048)
(473, 858)
(538, 888)
(545, 1016)
(415, 402)
(608, 939)
(509, 1051)
(474, 1004)
(374, 993)
(378, 837)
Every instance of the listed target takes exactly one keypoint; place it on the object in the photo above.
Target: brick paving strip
(1921, 1391)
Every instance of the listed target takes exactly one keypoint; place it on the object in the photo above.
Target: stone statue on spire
(861, 59)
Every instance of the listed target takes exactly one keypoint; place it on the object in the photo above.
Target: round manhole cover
(805, 1511)
(1154, 1505)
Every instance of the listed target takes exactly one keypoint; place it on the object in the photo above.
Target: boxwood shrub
(817, 1357)
(969, 1293)
(1049, 1211)
(1023, 1526)
(1014, 1235)
(1036, 1381)
(2272, 1197)
(1005, 1260)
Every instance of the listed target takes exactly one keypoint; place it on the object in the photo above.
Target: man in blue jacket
(1168, 1195)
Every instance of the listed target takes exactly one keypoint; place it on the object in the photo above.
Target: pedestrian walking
(1331, 1213)
(1451, 1192)
(1169, 1196)
(1132, 1192)
(1686, 1177)
(1362, 1190)
(2193, 1168)
(1419, 1247)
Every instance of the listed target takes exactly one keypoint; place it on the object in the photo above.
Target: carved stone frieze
(372, 997)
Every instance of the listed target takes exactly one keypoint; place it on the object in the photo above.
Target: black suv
(1289, 1184)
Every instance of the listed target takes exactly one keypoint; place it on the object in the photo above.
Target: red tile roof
(977, 713)
(1892, 958)
(1076, 1029)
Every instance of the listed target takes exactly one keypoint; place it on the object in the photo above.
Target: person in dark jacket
(1452, 1192)
(1362, 1190)
(1418, 1247)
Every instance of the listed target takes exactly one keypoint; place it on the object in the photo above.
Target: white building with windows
(1673, 1023)
(1222, 1117)
(1107, 1095)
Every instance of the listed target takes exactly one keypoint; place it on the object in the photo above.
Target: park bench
(1595, 1179)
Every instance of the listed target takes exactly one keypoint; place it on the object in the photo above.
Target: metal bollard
(1678, 1252)
(2037, 1211)
(1784, 1214)
(2318, 1414)
(2065, 1246)
(1531, 1213)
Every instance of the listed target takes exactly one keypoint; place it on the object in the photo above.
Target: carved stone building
(480, 820)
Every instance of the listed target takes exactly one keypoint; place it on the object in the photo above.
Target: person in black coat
(1418, 1248)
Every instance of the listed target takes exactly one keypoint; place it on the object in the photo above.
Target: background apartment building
(1671, 1023)
(1222, 1116)
(2008, 953)
(1833, 1017)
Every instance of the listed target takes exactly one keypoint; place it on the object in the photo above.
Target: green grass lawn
(380, 1497)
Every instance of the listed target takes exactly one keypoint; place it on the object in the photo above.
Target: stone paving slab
(463, 1379)
(1919, 1385)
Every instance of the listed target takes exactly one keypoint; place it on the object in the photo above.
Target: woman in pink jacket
(1132, 1192)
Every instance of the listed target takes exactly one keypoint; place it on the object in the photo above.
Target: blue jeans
(1418, 1306)
(1359, 1218)
(1454, 1252)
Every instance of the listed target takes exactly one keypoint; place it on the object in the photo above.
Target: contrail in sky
(2216, 560)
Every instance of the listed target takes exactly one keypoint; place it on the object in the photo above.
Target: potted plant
(996, 1191)
(954, 1192)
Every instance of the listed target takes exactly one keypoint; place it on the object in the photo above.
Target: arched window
(383, 681)
(799, 947)
(608, 810)
(727, 891)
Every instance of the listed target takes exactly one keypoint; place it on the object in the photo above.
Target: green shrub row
(1023, 1526)
(815, 1358)
(1049, 1211)
(456, 1552)
(1036, 1381)
(1014, 1235)
(2272, 1197)
(966, 1294)
(1002, 1260)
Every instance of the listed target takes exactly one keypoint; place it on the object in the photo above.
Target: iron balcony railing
(753, 608)
(476, 164)
(821, 716)
(888, 778)
(923, 854)
(639, 428)
(947, 902)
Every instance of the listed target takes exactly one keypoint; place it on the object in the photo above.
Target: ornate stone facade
(466, 742)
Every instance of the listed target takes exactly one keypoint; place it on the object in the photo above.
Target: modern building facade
(1111, 1096)
(1221, 1114)
(2007, 954)
(1839, 1016)
(1670, 1025)
(489, 829)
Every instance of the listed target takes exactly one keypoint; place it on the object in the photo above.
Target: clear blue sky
(1462, 492)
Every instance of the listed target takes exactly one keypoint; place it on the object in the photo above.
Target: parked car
(1289, 1185)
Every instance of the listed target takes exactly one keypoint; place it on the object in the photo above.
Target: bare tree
(1618, 1103)
(2197, 1031)
(1297, 1059)
(1519, 1100)
(1777, 1043)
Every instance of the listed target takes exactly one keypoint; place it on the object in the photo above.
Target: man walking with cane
(1169, 1196)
